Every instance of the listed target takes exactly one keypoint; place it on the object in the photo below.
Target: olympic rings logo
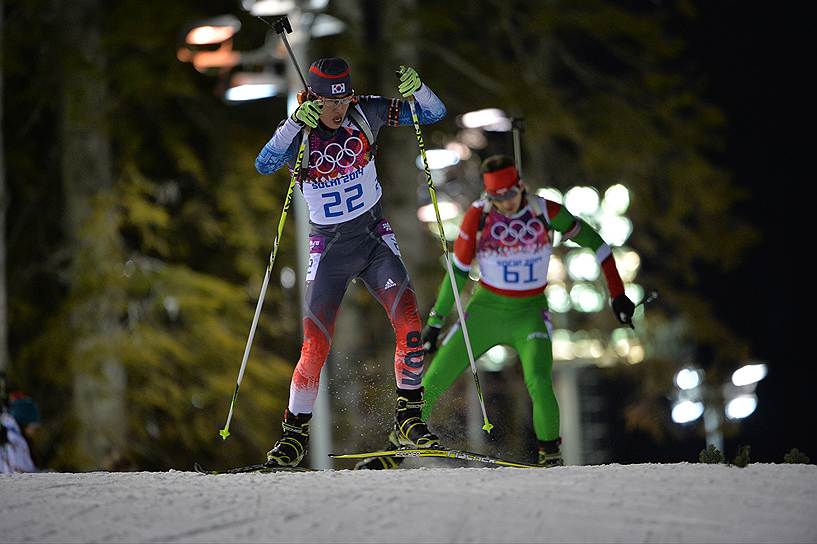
(336, 155)
(517, 231)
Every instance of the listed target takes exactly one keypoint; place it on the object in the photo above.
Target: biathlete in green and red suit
(507, 234)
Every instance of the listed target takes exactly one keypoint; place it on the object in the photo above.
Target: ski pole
(433, 192)
(282, 27)
(517, 125)
(225, 432)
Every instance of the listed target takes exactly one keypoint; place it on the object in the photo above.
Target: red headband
(499, 181)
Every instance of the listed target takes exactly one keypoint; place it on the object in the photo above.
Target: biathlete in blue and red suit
(349, 237)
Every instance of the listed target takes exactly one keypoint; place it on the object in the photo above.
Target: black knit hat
(330, 78)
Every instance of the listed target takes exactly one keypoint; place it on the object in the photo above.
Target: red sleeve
(614, 284)
(553, 209)
(465, 246)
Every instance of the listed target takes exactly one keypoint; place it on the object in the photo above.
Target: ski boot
(290, 449)
(550, 453)
(410, 430)
(383, 463)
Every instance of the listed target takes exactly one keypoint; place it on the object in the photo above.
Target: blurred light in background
(586, 298)
(615, 229)
(288, 277)
(448, 210)
(634, 292)
(438, 159)
(688, 378)
(627, 345)
(558, 299)
(550, 193)
(687, 411)
(628, 263)
(171, 305)
(213, 31)
(582, 265)
(463, 151)
(749, 374)
(246, 86)
(582, 201)
(473, 138)
(269, 7)
(562, 345)
(741, 407)
(616, 199)
(490, 119)
(281, 7)
(636, 354)
(556, 270)
(496, 358)
(451, 229)
(326, 25)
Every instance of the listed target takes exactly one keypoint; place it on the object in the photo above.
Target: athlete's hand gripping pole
(281, 26)
(433, 192)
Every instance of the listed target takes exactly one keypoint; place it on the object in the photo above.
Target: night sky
(751, 59)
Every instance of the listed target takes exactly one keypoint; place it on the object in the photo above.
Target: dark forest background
(136, 230)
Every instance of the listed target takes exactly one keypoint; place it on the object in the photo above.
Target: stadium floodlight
(212, 31)
(246, 86)
(272, 7)
(489, 119)
(749, 374)
(741, 406)
(282, 7)
(687, 411)
(688, 378)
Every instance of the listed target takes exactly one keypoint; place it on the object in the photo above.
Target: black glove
(428, 336)
(624, 309)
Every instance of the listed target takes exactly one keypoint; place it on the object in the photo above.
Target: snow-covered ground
(610, 503)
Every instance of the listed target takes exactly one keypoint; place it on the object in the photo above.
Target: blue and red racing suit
(349, 236)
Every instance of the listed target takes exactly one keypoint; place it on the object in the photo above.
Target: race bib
(514, 252)
(341, 180)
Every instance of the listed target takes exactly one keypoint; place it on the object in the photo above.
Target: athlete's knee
(539, 384)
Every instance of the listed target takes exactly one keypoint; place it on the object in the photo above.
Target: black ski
(260, 467)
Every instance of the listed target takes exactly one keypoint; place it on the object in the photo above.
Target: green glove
(308, 113)
(409, 81)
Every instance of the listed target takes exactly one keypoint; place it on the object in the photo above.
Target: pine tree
(795, 456)
(711, 455)
(742, 458)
